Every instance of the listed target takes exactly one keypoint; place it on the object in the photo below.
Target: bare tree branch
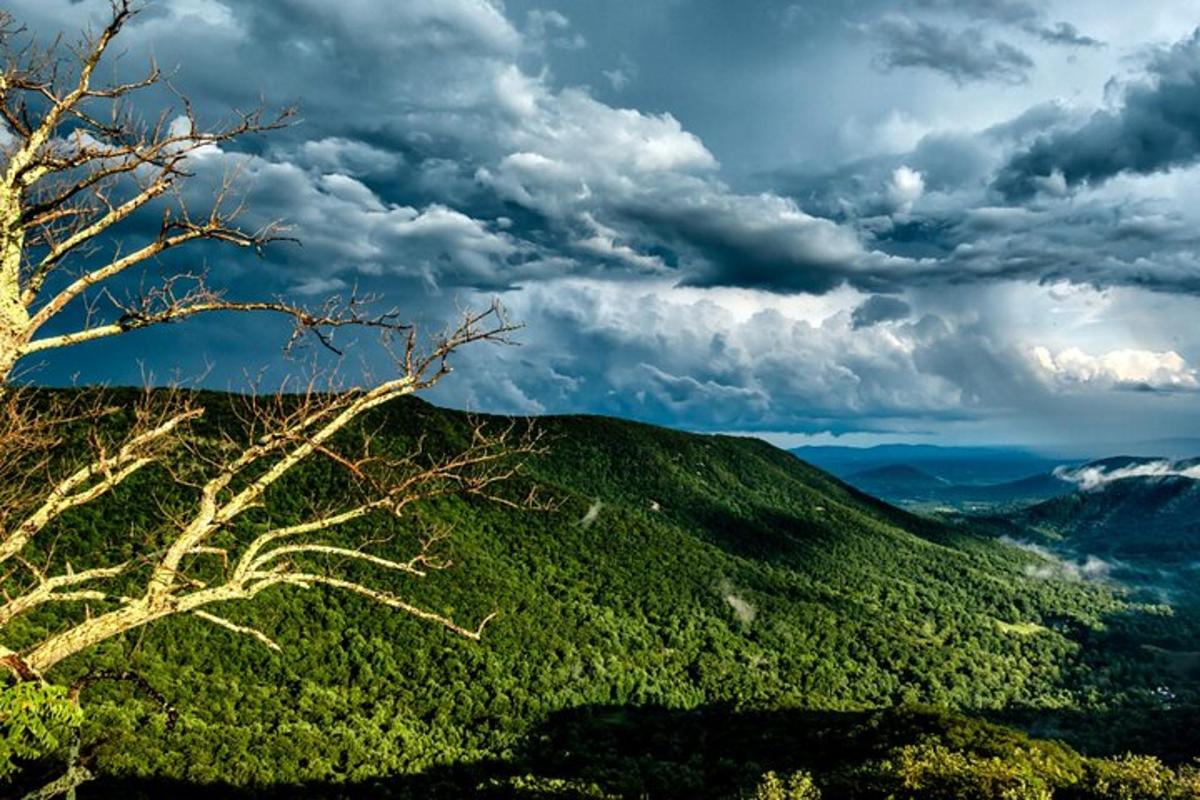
(241, 629)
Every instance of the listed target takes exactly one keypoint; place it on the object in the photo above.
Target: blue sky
(921, 220)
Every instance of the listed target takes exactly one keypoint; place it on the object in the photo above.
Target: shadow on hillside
(1168, 733)
(627, 751)
(637, 752)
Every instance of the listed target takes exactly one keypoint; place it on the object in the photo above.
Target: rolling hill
(682, 573)
(880, 481)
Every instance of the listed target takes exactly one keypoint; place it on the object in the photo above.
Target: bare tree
(76, 163)
(228, 475)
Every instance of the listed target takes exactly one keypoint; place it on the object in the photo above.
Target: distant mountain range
(964, 478)
(955, 465)
(1123, 507)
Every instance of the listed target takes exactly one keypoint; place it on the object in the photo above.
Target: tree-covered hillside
(1154, 520)
(678, 573)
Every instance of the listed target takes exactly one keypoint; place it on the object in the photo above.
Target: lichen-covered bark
(14, 318)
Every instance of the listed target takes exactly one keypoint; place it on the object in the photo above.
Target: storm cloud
(1155, 126)
(797, 217)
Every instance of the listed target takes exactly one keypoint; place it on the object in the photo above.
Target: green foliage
(1131, 777)
(936, 772)
(930, 771)
(37, 722)
(796, 786)
(532, 786)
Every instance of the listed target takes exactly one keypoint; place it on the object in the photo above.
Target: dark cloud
(1031, 123)
(964, 56)
(766, 242)
(1065, 33)
(1017, 14)
(879, 308)
(1155, 127)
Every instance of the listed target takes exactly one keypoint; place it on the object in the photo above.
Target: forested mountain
(1151, 518)
(901, 476)
(685, 590)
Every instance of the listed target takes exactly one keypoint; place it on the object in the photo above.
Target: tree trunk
(14, 318)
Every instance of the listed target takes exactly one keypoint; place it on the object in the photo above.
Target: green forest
(694, 616)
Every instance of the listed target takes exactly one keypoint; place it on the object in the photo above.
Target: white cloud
(653, 351)
(1092, 477)
(604, 242)
(1119, 368)
(617, 78)
(347, 227)
(906, 188)
(1087, 568)
(318, 286)
(569, 148)
(552, 28)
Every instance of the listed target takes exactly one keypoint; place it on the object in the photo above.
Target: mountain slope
(1137, 518)
(680, 571)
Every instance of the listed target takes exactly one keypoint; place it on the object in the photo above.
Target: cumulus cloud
(1135, 230)
(459, 123)
(604, 242)
(347, 157)
(1091, 477)
(349, 229)
(575, 151)
(682, 356)
(964, 56)
(1137, 369)
(469, 156)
